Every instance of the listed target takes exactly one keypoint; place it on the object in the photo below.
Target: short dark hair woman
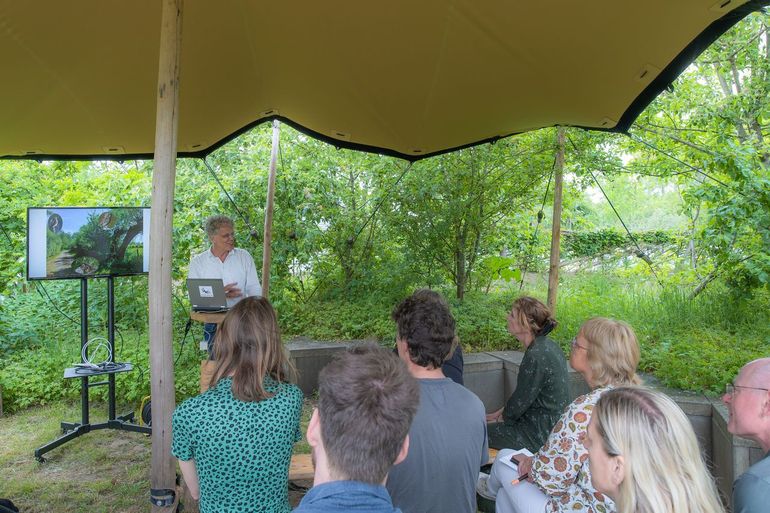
(234, 441)
(542, 390)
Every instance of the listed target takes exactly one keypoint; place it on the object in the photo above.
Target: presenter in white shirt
(234, 266)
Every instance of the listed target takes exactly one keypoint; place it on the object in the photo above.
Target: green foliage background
(354, 233)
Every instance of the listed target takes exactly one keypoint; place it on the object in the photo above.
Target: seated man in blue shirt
(748, 401)
(367, 400)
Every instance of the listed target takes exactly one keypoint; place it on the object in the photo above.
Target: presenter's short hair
(216, 222)
(367, 400)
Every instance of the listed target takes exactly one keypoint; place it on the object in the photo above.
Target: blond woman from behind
(643, 453)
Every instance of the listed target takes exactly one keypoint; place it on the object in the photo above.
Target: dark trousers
(503, 437)
(209, 331)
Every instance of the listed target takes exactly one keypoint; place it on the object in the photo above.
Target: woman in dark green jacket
(542, 390)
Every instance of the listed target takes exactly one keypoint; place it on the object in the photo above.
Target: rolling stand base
(73, 430)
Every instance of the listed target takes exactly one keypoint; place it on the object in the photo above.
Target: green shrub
(695, 344)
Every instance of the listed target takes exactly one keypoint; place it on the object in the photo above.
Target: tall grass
(694, 344)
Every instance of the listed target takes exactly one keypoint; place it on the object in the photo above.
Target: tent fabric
(403, 78)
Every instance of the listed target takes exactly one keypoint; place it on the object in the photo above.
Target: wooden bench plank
(302, 465)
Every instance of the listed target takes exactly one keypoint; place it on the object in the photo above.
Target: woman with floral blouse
(606, 353)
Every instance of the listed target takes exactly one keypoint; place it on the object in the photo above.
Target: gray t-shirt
(751, 491)
(447, 445)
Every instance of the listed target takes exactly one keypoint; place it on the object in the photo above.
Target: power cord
(184, 339)
(88, 366)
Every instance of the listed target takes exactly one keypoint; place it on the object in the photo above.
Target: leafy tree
(452, 209)
(712, 136)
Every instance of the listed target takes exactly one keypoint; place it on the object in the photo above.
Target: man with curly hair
(448, 438)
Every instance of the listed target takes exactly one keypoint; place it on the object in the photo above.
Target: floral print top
(560, 467)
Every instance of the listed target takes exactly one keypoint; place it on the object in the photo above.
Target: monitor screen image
(84, 242)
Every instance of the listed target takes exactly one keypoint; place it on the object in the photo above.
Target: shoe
(482, 489)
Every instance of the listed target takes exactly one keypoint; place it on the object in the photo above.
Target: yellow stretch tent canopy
(405, 78)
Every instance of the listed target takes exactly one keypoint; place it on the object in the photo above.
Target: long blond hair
(248, 348)
(664, 469)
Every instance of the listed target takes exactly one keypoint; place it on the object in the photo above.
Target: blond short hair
(613, 351)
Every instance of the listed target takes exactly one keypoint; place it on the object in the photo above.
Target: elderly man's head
(220, 230)
(748, 401)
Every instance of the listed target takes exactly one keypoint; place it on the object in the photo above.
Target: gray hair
(216, 222)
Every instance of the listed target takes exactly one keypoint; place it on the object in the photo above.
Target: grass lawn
(102, 471)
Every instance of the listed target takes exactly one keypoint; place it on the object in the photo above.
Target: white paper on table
(508, 462)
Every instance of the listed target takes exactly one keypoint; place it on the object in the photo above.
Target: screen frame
(145, 243)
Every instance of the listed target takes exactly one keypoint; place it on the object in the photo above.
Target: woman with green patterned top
(542, 390)
(234, 441)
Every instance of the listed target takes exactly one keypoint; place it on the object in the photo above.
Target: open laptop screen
(207, 294)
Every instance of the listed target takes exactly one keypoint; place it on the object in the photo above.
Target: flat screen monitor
(87, 242)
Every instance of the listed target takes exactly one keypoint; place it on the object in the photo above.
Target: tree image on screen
(93, 242)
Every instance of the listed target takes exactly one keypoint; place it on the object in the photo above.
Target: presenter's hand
(495, 416)
(232, 291)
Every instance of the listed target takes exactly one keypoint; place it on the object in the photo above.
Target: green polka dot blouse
(242, 450)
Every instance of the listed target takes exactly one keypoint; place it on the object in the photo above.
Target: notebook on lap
(207, 295)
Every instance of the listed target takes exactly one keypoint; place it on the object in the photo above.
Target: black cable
(382, 200)
(221, 186)
(136, 365)
(540, 216)
(641, 253)
(10, 241)
(697, 170)
(184, 339)
(40, 286)
(122, 341)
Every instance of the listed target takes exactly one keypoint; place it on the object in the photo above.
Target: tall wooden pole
(163, 471)
(553, 268)
(268, 234)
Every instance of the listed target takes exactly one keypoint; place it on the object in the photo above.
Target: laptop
(207, 295)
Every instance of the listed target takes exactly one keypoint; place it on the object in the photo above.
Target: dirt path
(60, 262)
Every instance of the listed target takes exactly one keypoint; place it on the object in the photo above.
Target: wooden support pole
(163, 470)
(553, 268)
(268, 234)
